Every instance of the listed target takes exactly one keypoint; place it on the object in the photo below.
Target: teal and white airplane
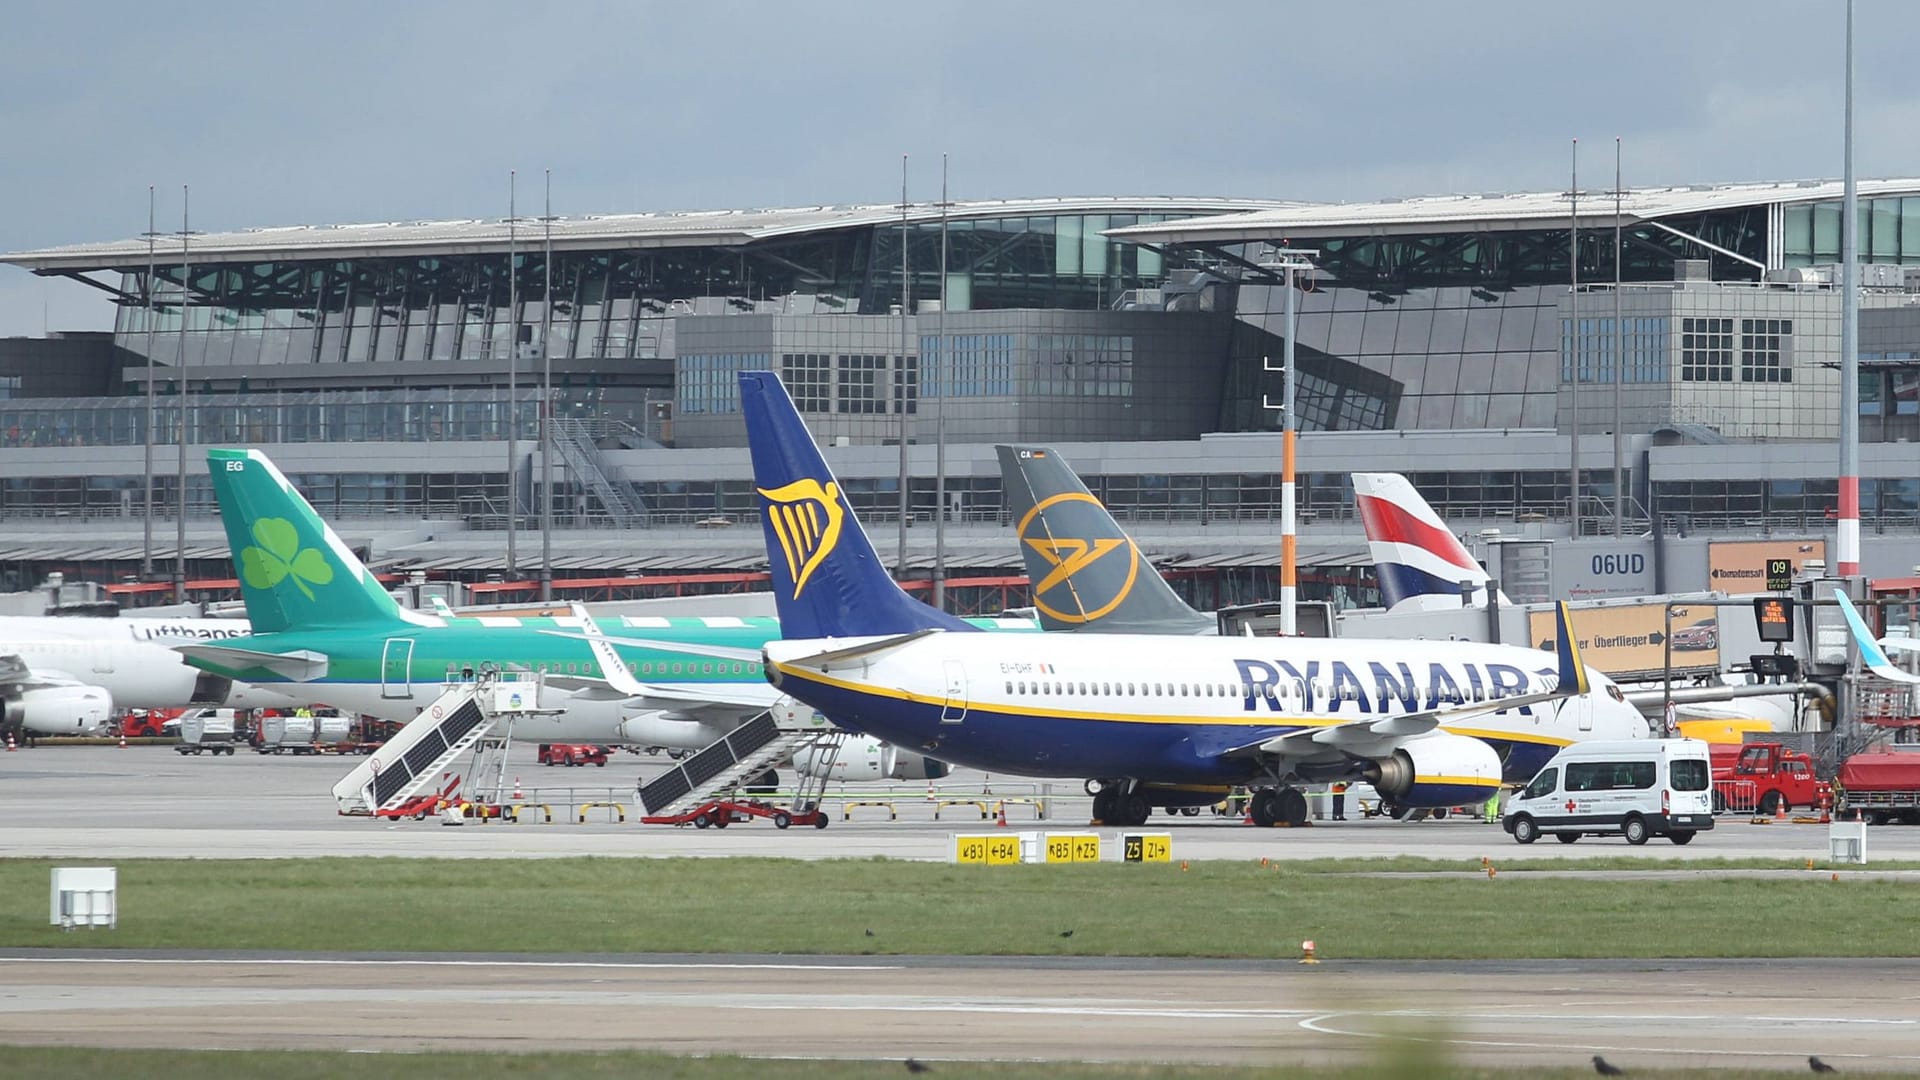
(325, 629)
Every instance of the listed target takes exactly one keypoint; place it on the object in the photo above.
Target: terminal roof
(598, 232)
(1491, 213)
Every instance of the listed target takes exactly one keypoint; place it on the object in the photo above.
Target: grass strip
(1211, 909)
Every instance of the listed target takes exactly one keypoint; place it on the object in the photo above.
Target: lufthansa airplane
(1156, 720)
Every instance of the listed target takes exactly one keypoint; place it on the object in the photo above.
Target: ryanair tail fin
(1420, 563)
(1087, 574)
(827, 579)
(294, 571)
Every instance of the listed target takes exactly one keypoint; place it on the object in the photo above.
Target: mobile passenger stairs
(704, 789)
(409, 776)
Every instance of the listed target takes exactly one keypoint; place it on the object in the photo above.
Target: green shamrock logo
(280, 556)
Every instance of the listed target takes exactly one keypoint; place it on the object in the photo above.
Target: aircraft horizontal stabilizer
(852, 652)
(302, 665)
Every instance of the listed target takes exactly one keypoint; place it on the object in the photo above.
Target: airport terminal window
(1765, 345)
(860, 388)
(1706, 350)
(809, 378)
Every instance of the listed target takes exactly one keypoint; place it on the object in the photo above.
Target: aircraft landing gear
(1276, 806)
(1114, 805)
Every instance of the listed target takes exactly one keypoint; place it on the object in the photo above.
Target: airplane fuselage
(1169, 708)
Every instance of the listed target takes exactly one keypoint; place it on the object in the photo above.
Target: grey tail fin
(1087, 574)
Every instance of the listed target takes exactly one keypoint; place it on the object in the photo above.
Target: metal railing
(573, 439)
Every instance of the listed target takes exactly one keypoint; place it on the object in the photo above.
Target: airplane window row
(723, 668)
(1321, 691)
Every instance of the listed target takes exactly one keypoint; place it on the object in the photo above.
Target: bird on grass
(1607, 1068)
(918, 1066)
(1819, 1066)
(1066, 933)
(869, 932)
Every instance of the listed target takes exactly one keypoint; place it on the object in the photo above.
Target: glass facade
(325, 416)
(1887, 231)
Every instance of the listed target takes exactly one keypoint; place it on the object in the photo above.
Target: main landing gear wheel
(1135, 810)
(1262, 808)
(1103, 806)
(1290, 806)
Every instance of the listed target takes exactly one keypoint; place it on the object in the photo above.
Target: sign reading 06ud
(1146, 847)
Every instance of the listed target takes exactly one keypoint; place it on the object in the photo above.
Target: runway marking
(289, 962)
(1318, 1024)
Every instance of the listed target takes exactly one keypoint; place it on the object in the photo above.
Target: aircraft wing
(1370, 732)
(15, 673)
(301, 665)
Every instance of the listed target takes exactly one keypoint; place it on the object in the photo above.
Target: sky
(369, 110)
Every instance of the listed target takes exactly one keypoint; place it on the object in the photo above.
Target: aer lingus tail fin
(294, 572)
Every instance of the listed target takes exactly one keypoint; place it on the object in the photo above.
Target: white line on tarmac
(1319, 1024)
(289, 962)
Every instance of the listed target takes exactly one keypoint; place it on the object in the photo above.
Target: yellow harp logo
(806, 517)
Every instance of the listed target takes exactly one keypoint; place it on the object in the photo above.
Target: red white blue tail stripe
(1420, 563)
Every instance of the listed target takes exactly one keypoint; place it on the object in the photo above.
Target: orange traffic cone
(1000, 809)
(10, 747)
(516, 788)
(1826, 810)
(1780, 810)
(123, 740)
(1307, 952)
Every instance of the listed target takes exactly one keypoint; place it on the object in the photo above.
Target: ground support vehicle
(572, 754)
(1766, 778)
(1880, 787)
(206, 731)
(719, 813)
(1635, 789)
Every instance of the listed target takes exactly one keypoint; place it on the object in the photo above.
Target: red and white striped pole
(1847, 554)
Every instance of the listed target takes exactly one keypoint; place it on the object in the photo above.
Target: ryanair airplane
(1156, 720)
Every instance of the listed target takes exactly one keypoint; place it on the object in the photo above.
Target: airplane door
(1584, 710)
(396, 665)
(955, 709)
(103, 658)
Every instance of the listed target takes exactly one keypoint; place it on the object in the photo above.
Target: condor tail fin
(1421, 565)
(1087, 574)
(827, 579)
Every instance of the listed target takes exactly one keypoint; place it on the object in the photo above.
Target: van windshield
(1689, 775)
(1542, 784)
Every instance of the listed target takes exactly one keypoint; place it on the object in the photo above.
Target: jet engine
(59, 710)
(863, 757)
(1436, 770)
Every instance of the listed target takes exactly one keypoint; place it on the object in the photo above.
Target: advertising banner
(1739, 567)
(1631, 640)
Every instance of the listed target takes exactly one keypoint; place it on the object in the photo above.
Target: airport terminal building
(391, 369)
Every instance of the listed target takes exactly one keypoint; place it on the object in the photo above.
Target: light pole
(943, 373)
(546, 399)
(900, 401)
(513, 375)
(180, 464)
(1292, 261)
(146, 533)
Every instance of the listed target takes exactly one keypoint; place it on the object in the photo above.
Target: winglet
(1566, 649)
(1872, 657)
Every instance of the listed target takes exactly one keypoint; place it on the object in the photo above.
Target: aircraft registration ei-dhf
(1156, 720)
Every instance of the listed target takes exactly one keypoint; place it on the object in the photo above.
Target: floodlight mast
(1291, 261)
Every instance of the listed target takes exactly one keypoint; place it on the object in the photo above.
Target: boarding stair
(573, 441)
(423, 750)
(740, 755)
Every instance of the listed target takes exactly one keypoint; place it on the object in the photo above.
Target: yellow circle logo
(1074, 535)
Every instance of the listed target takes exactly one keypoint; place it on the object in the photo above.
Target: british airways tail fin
(827, 579)
(1087, 574)
(1420, 563)
(1872, 657)
(294, 571)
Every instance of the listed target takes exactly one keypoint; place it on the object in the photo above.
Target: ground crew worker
(1493, 808)
(1340, 801)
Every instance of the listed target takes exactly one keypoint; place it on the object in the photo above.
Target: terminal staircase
(573, 441)
(421, 752)
(745, 752)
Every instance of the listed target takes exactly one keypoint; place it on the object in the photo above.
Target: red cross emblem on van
(1570, 806)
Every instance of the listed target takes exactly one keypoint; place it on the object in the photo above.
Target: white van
(1636, 789)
